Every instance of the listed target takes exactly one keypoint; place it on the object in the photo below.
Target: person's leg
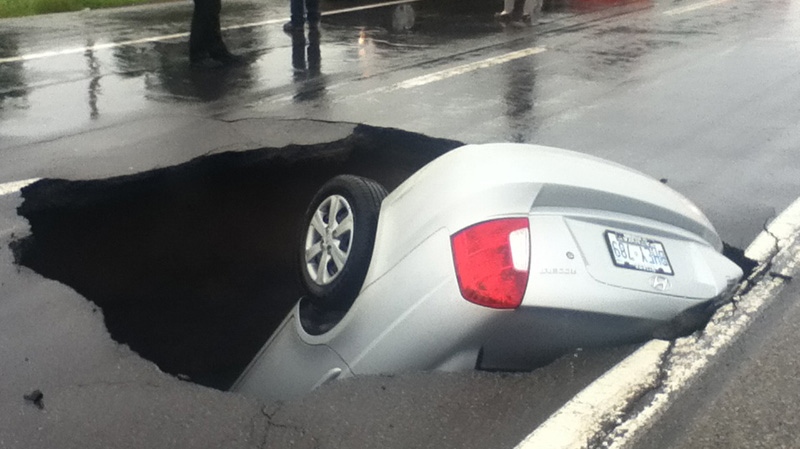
(312, 12)
(527, 11)
(519, 6)
(295, 23)
(532, 8)
(505, 14)
(200, 30)
(217, 48)
(297, 10)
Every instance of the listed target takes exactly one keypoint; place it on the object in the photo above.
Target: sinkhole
(194, 266)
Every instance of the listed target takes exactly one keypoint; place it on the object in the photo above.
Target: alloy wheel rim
(329, 239)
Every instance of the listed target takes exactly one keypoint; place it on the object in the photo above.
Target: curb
(612, 413)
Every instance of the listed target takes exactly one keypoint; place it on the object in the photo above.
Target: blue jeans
(302, 10)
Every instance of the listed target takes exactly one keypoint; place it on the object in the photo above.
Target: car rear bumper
(431, 326)
(535, 336)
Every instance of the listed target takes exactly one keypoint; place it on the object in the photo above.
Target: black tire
(333, 282)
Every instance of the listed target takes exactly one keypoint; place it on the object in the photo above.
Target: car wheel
(336, 248)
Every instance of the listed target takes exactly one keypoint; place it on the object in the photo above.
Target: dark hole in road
(737, 256)
(194, 266)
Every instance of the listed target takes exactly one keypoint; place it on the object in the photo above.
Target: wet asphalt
(704, 98)
(645, 83)
(749, 397)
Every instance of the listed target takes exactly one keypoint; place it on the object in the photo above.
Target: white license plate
(635, 252)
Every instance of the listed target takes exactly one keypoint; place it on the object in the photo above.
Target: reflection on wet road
(594, 75)
(108, 64)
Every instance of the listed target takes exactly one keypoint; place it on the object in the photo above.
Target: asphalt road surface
(665, 87)
(749, 397)
(703, 94)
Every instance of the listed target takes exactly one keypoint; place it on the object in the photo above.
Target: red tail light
(492, 261)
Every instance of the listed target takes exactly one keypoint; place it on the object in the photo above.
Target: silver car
(497, 257)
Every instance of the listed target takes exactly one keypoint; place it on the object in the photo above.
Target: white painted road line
(781, 229)
(466, 68)
(166, 37)
(581, 422)
(429, 78)
(15, 186)
(601, 402)
(453, 71)
(366, 7)
(693, 7)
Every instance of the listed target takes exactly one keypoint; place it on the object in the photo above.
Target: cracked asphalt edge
(619, 407)
(623, 403)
